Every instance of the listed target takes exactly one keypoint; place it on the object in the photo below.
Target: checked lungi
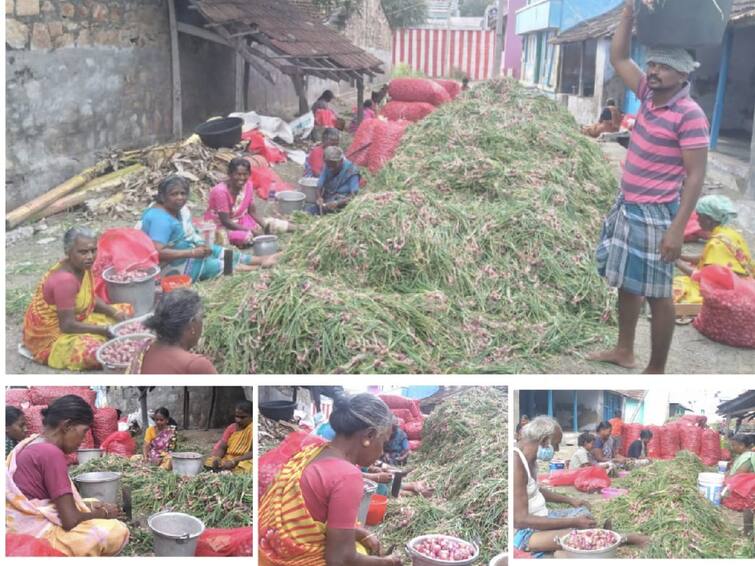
(629, 253)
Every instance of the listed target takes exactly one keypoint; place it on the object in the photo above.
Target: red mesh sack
(453, 88)
(710, 447)
(725, 454)
(630, 433)
(263, 179)
(654, 446)
(385, 141)
(33, 416)
(405, 414)
(411, 111)
(27, 545)
(741, 492)
(418, 90)
(415, 445)
(398, 402)
(258, 145)
(691, 438)
(105, 424)
(728, 312)
(125, 249)
(17, 397)
(670, 442)
(46, 395)
(225, 542)
(592, 479)
(359, 150)
(413, 430)
(120, 444)
(698, 420)
(559, 478)
(271, 463)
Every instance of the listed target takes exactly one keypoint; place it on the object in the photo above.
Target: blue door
(611, 403)
(631, 102)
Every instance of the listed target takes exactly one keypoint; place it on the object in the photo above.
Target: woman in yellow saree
(308, 515)
(42, 501)
(726, 247)
(66, 322)
(234, 450)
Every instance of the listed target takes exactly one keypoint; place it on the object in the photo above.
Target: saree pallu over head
(39, 518)
(41, 322)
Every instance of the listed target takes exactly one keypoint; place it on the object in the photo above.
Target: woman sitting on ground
(161, 439)
(177, 323)
(609, 121)
(181, 251)
(744, 457)
(42, 501)
(726, 247)
(15, 427)
(604, 447)
(397, 447)
(338, 184)
(536, 526)
(66, 322)
(234, 450)
(315, 162)
(309, 512)
(231, 207)
(638, 450)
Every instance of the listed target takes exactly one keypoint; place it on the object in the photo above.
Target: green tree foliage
(405, 13)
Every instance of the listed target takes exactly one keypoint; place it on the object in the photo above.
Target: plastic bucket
(723, 465)
(308, 186)
(422, 560)
(174, 534)
(377, 509)
(557, 465)
(186, 463)
(173, 282)
(139, 294)
(683, 23)
(499, 560)
(710, 486)
(265, 245)
(103, 486)
(207, 231)
(370, 487)
(290, 202)
(83, 455)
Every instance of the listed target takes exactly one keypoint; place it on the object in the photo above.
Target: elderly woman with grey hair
(66, 322)
(308, 514)
(338, 184)
(177, 324)
(537, 527)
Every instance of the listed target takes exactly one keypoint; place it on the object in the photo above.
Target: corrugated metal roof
(637, 394)
(605, 24)
(289, 30)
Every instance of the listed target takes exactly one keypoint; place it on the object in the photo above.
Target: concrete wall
(585, 109)
(512, 50)
(81, 77)
(751, 192)
(172, 398)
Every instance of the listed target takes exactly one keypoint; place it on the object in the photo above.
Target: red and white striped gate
(436, 52)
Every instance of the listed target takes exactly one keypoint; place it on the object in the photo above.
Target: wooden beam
(175, 72)
(202, 33)
(360, 100)
(298, 81)
(239, 92)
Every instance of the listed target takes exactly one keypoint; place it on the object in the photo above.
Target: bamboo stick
(101, 184)
(25, 211)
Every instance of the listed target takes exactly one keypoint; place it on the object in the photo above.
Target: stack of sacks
(375, 143)
(407, 410)
(630, 433)
(18, 398)
(413, 98)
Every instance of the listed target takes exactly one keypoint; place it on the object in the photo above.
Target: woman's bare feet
(615, 356)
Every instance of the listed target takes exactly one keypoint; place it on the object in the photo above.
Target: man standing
(617, 430)
(662, 180)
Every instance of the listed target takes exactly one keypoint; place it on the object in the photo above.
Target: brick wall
(81, 77)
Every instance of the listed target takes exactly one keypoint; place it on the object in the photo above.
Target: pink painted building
(512, 44)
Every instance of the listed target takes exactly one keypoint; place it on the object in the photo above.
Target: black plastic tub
(278, 410)
(225, 132)
(683, 23)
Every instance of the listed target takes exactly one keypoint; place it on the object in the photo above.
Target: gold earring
(366, 443)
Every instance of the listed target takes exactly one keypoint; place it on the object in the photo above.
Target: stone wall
(751, 192)
(81, 76)
(369, 29)
(127, 400)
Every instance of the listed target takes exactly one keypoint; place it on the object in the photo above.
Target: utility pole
(498, 38)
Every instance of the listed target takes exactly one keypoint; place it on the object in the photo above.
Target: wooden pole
(360, 100)
(25, 211)
(186, 408)
(298, 81)
(239, 95)
(499, 39)
(175, 71)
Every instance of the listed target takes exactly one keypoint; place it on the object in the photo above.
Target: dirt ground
(27, 259)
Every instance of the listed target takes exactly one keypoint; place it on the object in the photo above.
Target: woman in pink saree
(231, 205)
